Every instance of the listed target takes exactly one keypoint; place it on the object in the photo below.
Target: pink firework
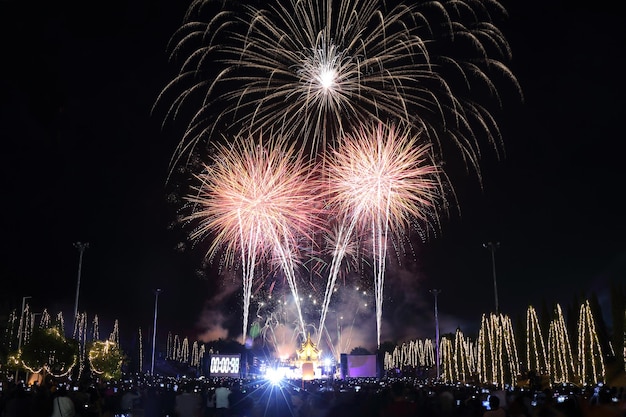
(380, 179)
(384, 170)
(255, 200)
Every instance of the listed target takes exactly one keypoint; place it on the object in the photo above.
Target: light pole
(81, 249)
(21, 329)
(436, 293)
(492, 248)
(339, 329)
(156, 303)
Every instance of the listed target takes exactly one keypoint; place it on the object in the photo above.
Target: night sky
(84, 160)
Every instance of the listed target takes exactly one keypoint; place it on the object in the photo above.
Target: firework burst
(255, 201)
(315, 69)
(332, 78)
(381, 179)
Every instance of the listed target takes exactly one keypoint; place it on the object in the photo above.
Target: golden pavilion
(308, 358)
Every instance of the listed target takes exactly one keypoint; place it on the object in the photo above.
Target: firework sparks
(315, 69)
(380, 179)
(255, 201)
(314, 72)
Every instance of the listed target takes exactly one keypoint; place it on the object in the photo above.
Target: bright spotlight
(274, 376)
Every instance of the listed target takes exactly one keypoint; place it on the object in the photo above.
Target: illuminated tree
(463, 356)
(536, 358)
(560, 358)
(448, 373)
(590, 355)
(497, 358)
(47, 350)
(106, 359)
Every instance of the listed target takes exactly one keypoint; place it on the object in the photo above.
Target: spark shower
(354, 102)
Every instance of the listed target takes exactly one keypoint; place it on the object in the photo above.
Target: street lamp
(21, 329)
(436, 293)
(492, 248)
(156, 303)
(81, 249)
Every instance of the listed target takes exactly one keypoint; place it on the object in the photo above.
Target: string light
(535, 347)
(95, 332)
(561, 360)
(44, 323)
(416, 353)
(493, 356)
(115, 334)
(80, 334)
(498, 361)
(462, 356)
(184, 351)
(447, 359)
(195, 354)
(105, 359)
(10, 328)
(61, 322)
(169, 347)
(51, 362)
(140, 350)
(590, 357)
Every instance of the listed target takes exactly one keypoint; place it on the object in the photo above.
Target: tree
(360, 351)
(106, 359)
(387, 347)
(47, 350)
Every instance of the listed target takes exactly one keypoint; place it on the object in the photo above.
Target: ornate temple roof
(308, 351)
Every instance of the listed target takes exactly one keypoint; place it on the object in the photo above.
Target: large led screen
(361, 366)
(224, 365)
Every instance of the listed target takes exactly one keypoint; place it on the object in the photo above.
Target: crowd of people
(149, 396)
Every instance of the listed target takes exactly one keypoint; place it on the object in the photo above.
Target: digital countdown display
(224, 365)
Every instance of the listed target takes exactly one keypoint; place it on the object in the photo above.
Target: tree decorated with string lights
(46, 350)
(106, 359)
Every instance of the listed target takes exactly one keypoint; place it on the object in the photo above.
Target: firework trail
(255, 202)
(280, 336)
(381, 178)
(316, 69)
